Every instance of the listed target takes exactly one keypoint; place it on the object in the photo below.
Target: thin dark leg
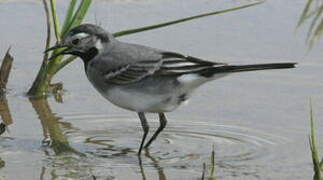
(163, 122)
(145, 127)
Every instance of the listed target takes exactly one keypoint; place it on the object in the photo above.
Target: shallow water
(257, 122)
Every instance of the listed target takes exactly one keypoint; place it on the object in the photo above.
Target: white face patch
(98, 45)
(81, 35)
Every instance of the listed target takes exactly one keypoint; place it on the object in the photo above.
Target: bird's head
(85, 41)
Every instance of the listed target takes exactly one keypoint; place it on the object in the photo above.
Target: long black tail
(250, 67)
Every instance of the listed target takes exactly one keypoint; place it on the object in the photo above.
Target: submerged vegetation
(75, 15)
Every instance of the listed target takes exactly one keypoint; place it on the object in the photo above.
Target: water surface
(257, 121)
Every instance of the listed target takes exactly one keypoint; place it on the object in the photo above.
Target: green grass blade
(314, 22)
(49, 31)
(39, 87)
(69, 16)
(318, 32)
(212, 174)
(79, 14)
(313, 10)
(55, 19)
(312, 13)
(136, 30)
(315, 153)
(304, 13)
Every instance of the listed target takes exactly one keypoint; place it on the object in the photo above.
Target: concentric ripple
(182, 141)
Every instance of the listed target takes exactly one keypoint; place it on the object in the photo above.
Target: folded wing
(170, 64)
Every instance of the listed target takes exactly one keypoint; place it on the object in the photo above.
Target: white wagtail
(140, 78)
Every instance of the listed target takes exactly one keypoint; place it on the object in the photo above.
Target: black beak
(59, 53)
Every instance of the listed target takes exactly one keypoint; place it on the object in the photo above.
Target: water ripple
(119, 135)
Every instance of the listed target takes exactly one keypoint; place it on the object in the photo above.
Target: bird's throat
(88, 55)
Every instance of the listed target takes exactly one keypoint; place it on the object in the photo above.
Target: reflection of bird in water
(156, 165)
(140, 78)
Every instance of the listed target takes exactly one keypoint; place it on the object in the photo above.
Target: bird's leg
(145, 127)
(163, 122)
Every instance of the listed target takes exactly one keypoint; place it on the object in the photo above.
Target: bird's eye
(76, 41)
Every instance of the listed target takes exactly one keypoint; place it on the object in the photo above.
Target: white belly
(142, 102)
